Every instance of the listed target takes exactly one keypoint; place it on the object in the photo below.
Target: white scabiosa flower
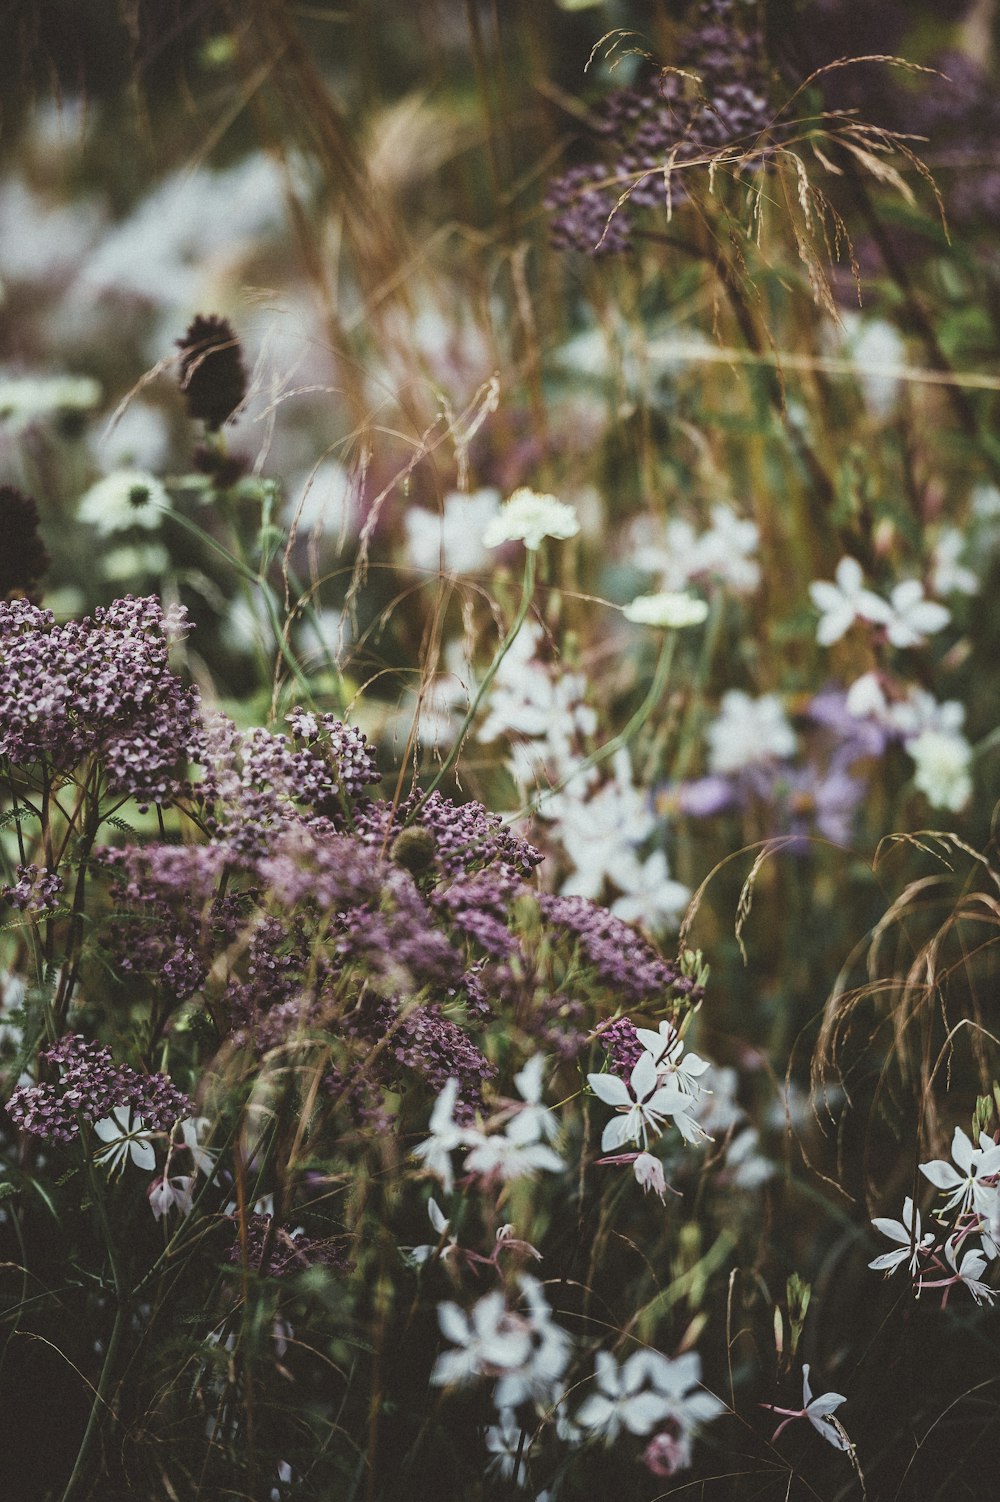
(124, 499)
(670, 610)
(529, 517)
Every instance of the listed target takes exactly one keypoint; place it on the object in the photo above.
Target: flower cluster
(100, 687)
(90, 1087)
(714, 102)
(971, 1210)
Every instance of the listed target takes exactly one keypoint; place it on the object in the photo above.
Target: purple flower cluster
(89, 1087)
(618, 955)
(35, 891)
(620, 1042)
(98, 687)
(463, 837)
(427, 1042)
(276, 1252)
(661, 124)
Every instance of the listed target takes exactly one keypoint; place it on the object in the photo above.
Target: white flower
(165, 1193)
(529, 517)
(191, 1130)
(979, 1164)
(818, 1411)
(942, 768)
(649, 895)
(649, 1175)
(948, 576)
(124, 1138)
(538, 1379)
(641, 1108)
(905, 1231)
(912, 616)
(490, 1340)
(726, 550)
(510, 1444)
(534, 1121)
(970, 1271)
(747, 731)
(622, 1399)
(503, 1157)
(840, 604)
(669, 610)
(25, 399)
(125, 498)
(439, 1225)
(671, 1061)
(866, 698)
(452, 540)
(446, 1136)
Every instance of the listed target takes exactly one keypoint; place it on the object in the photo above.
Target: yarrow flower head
(668, 609)
(528, 517)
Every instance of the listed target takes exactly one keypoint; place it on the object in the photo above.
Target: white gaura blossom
(507, 1441)
(165, 1193)
(846, 600)
(502, 1157)
(677, 554)
(948, 574)
(418, 1255)
(668, 610)
(974, 1187)
(672, 1063)
(124, 1137)
(649, 893)
(446, 1135)
(642, 1106)
(905, 1231)
(818, 1411)
(534, 1122)
(970, 1271)
(747, 731)
(488, 1341)
(123, 499)
(529, 517)
(942, 768)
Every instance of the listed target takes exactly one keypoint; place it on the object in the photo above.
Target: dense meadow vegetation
(499, 688)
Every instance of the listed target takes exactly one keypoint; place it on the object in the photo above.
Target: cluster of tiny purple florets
(277, 1252)
(35, 891)
(662, 124)
(98, 687)
(89, 1087)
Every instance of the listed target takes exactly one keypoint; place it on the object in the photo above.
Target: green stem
(527, 591)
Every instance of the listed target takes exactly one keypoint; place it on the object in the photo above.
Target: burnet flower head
(528, 517)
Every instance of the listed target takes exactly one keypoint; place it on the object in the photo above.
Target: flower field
(499, 687)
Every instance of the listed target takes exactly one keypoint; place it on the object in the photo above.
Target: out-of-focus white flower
(27, 399)
(124, 1137)
(538, 1379)
(905, 1231)
(622, 1399)
(323, 502)
(137, 440)
(878, 350)
(452, 540)
(446, 1135)
(841, 603)
(912, 616)
(528, 517)
(132, 559)
(668, 609)
(508, 1442)
(649, 895)
(489, 1340)
(726, 550)
(748, 730)
(920, 711)
(503, 1157)
(942, 768)
(600, 832)
(971, 1187)
(126, 498)
(534, 1122)
(948, 575)
(192, 1129)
